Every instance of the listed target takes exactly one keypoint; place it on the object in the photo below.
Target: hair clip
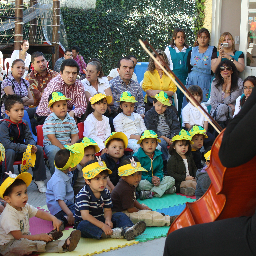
(99, 161)
(11, 175)
(133, 163)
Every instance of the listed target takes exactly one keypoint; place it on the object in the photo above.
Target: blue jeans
(62, 215)
(88, 230)
(164, 149)
(50, 151)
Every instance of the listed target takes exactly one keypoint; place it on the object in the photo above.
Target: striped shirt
(62, 129)
(86, 200)
(163, 127)
(75, 92)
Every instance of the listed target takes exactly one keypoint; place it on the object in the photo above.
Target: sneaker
(171, 190)
(117, 233)
(188, 191)
(41, 186)
(136, 230)
(145, 195)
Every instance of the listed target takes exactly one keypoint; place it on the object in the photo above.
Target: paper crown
(90, 142)
(127, 97)
(207, 155)
(99, 96)
(57, 96)
(2, 152)
(129, 169)
(92, 170)
(148, 134)
(25, 176)
(196, 129)
(163, 98)
(76, 155)
(183, 135)
(28, 159)
(117, 135)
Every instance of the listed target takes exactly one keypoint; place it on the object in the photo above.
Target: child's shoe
(72, 241)
(188, 191)
(136, 230)
(171, 190)
(41, 186)
(173, 218)
(55, 234)
(117, 233)
(145, 194)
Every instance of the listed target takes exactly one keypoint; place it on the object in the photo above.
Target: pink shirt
(81, 63)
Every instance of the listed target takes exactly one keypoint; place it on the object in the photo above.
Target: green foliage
(200, 14)
(114, 27)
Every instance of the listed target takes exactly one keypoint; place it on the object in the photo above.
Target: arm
(54, 141)
(108, 216)
(173, 171)
(74, 138)
(87, 96)
(188, 61)
(175, 127)
(205, 125)
(214, 96)
(151, 122)
(140, 206)
(140, 104)
(215, 62)
(63, 206)
(80, 101)
(30, 99)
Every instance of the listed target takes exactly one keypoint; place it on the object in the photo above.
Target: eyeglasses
(248, 88)
(69, 55)
(222, 68)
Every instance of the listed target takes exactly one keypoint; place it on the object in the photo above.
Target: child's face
(197, 97)
(115, 149)
(198, 140)
(18, 198)
(89, 154)
(181, 148)
(127, 107)
(149, 146)
(100, 107)
(159, 107)
(98, 183)
(16, 112)
(180, 39)
(60, 109)
(133, 179)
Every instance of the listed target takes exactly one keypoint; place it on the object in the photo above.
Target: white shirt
(114, 73)
(11, 220)
(237, 106)
(186, 165)
(16, 55)
(191, 115)
(102, 86)
(168, 54)
(99, 131)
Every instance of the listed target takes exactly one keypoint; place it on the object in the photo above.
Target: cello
(221, 200)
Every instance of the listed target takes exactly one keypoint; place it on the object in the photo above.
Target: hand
(71, 113)
(144, 207)
(109, 223)
(71, 219)
(33, 149)
(103, 151)
(45, 237)
(142, 115)
(107, 229)
(190, 178)
(25, 99)
(56, 224)
(155, 181)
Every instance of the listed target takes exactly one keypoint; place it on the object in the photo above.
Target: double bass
(232, 190)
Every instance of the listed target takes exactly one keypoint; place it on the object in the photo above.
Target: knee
(9, 153)
(39, 149)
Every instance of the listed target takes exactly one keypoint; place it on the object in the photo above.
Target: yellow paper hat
(76, 155)
(129, 169)
(28, 159)
(25, 176)
(99, 96)
(2, 151)
(92, 170)
(163, 98)
(183, 135)
(207, 155)
(90, 142)
(127, 97)
(57, 96)
(148, 134)
(118, 135)
(196, 129)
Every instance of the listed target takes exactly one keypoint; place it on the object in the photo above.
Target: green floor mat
(152, 233)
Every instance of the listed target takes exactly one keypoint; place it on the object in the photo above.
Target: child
(177, 54)
(115, 144)
(128, 122)
(90, 148)
(203, 180)
(16, 136)
(153, 182)
(181, 165)
(15, 238)
(124, 195)
(96, 125)
(93, 208)
(60, 194)
(162, 121)
(198, 134)
(59, 127)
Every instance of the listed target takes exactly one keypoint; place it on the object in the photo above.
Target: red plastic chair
(40, 138)
(80, 127)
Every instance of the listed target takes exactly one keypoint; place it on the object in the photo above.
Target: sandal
(73, 239)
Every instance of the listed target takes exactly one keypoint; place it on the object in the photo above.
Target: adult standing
(199, 63)
(23, 55)
(123, 83)
(79, 59)
(67, 55)
(234, 236)
(227, 50)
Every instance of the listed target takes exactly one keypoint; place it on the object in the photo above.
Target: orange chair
(40, 138)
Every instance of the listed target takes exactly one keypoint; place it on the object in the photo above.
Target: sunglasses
(222, 68)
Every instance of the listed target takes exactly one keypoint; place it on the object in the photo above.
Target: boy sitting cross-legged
(59, 127)
(124, 195)
(153, 182)
(115, 145)
(15, 238)
(16, 136)
(60, 194)
(93, 208)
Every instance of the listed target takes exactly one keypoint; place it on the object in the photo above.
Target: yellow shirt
(152, 81)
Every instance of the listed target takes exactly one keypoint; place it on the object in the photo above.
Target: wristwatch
(232, 59)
